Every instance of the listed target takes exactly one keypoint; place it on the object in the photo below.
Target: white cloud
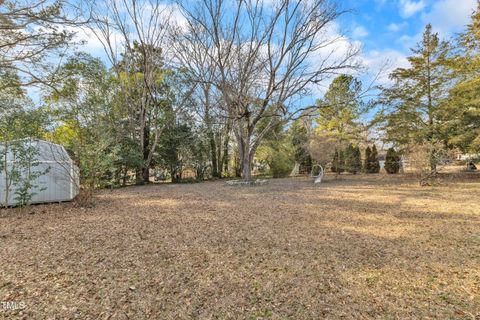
(270, 2)
(336, 46)
(408, 41)
(395, 27)
(91, 42)
(410, 7)
(359, 32)
(380, 63)
(449, 16)
(86, 40)
(173, 13)
(376, 65)
(380, 3)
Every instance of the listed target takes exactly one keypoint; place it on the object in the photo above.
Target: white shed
(59, 179)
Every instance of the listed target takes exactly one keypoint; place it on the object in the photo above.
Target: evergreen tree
(415, 98)
(277, 152)
(392, 161)
(353, 162)
(374, 162)
(368, 158)
(299, 139)
(88, 123)
(149, 92)
(176, 145)
(340, 109)
(461, 114)
(338, 114)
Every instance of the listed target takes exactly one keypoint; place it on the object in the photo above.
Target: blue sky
(387, 29)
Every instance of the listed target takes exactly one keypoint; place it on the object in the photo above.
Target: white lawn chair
(317, 178)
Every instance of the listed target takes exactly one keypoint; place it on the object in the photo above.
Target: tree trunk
(124, 178)
(246, 159)
(143, 173)
(225, 154)
(238, 167)
(433, 163)
(218, 141)
(146, 175)
(246, 167)
(146, 153)
(213, 154)
(5, 165)
(175, 174)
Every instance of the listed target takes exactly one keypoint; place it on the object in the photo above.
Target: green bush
(372, 165)
(374, 162)
(353, 161)
(280, 163)
(392, 161)
(276, 159)
(368, 156)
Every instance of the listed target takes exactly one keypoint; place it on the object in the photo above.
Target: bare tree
(261, 57)
(200, 73)
(133, 34)
(218, 126)
(34, 34)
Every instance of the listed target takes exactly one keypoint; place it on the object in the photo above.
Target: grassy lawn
(356, 248)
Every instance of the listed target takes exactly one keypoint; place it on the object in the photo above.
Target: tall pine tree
(462, 109)
(414, 101)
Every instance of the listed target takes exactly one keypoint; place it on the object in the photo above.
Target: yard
(360, 247)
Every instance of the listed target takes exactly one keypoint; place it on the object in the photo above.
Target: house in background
(57, 175)
(467, 156)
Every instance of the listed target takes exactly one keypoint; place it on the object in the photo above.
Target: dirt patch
(360, 247)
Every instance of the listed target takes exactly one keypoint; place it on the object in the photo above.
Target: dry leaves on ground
(356, 248)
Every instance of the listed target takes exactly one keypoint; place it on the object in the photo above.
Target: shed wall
(60, 183)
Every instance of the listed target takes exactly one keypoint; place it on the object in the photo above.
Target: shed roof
(46, 151)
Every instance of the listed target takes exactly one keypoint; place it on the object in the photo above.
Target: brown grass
(358, 248)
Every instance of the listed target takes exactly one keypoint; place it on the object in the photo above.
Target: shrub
(374, 162)
(366, 164)
(392, 161)
(353, 162)
(281, 164)
(372, 165)
(277, 158)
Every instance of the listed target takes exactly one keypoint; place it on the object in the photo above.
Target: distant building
(467, 156)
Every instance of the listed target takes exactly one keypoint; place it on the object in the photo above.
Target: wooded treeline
(214, 88)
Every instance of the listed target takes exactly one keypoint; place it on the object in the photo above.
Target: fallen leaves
(360, 247)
